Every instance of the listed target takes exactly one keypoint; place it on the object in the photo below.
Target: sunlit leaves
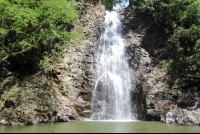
(35, 28)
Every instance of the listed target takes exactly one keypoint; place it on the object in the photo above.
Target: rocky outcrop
(182, 117)
(31, 105)
(138, 58)
(78, 78)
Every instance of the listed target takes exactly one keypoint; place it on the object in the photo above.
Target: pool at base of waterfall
(102, 127)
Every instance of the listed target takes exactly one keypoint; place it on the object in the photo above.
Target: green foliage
(77, 4)
(173, 13)
(32, 30)
(87, 34)
(165, 66)
(15, 90)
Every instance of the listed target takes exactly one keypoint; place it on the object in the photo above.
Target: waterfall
(111, 94)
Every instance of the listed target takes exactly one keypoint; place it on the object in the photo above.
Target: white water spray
(111, 95)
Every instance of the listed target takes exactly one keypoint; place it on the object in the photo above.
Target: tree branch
(11, 53)
(18, 40)
(5, 48)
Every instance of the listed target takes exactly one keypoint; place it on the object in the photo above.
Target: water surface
(102, 127)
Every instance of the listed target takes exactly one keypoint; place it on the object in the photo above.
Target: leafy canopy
(33, 29)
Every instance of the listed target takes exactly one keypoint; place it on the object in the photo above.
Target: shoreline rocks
(182, 117)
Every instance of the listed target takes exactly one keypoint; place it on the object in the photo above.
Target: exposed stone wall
(138, 59)
(75, 70)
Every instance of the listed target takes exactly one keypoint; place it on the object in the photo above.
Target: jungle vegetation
(182, 19)
(34, 33)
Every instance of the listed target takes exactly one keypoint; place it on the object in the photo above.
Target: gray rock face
(139, 62)
(38, 107)
(182, 117)
(75, 71)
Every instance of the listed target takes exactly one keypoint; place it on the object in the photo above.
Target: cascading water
(111, 95)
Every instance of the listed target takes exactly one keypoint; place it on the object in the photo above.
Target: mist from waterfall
(111, 94)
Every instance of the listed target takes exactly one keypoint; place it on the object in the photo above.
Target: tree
(31, 29)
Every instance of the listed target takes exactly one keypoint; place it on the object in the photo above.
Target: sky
(118, 6)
